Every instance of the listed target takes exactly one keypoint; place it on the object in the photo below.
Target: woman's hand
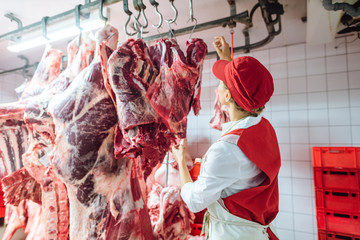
(222, 48)
(180, 151)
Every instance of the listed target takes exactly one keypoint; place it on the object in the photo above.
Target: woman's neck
(236, 114)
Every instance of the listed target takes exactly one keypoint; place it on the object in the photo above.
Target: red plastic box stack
(337, 192)
(2, 203)
(197, 226)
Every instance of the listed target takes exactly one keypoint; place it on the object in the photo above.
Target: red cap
(250, 83)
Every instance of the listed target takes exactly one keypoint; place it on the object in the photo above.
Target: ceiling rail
(54, 18)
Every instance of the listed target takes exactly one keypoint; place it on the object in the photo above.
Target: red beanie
(250, 83)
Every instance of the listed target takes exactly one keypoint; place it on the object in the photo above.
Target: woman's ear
(227, 95)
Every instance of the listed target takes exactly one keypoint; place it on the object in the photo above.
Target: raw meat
(27, 216)
(47, 70)
(18, 186)
(140, 132)
(13, 144)
(177, 86)
(170, 217)
(221, 114)
(104, 192)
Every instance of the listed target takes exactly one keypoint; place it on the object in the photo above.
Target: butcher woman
(238, 181)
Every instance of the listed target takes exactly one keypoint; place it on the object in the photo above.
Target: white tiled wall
(8, 83)
(316, 103)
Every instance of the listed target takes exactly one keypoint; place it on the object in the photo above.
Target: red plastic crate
(196, 229)
(199, 216)
(338, 199)
(195, 171)
(338, 221)
(327, 235)
(339, 157)
(337, 178)
(2, 211)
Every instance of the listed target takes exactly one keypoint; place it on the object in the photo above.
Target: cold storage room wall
(8, 83)
(316, 103)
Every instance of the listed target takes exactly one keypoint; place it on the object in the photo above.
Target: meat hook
(139, 6)
(155, 5)
(129, 13)
(192, 31)
(175, 11)
(192, 17)
(101, 15)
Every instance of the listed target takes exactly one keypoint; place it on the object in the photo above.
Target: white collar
(242, 123)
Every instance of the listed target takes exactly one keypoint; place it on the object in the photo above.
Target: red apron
(259, 204)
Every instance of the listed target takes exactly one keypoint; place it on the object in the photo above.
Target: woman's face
(222, 91)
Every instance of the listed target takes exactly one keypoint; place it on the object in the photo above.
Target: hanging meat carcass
(104, 193)
(177, 87)
(140, 132)
(170, 217)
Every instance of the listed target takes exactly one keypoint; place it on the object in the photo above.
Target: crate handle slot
(340, 194)
(338, 173)
(355, 217)
(336, 151)
(341, 215)
(353, 194)
(342, 237)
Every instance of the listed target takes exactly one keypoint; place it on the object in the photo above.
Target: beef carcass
(104, 192)
(170, 217)
(140, 132)
(47, 70)
(177, 86)
(55, 207)
(221, 114)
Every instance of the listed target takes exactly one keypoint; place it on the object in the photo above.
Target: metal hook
(155, 5)
(77, 22)
(129, 13)
(191, 10)
(192, 31)
(171, 32)
(139, 6)
(175, 11)
(101, 15)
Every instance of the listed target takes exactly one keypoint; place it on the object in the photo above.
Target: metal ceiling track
(269, 8)
(87, 5)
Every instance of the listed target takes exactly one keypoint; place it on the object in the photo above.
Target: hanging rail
(56, 17)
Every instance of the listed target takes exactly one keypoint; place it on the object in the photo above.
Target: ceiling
(293, 28)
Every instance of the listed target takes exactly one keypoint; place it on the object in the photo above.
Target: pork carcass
(177, 87)
(140, 132)
(104, 192)
(170, 217)
(221, 114)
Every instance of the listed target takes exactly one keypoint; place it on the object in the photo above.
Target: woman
(238, 179)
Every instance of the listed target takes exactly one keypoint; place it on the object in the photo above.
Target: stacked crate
(197, 226)
(2, 204)
(337, 192)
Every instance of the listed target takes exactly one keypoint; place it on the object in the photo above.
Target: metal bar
(53, 18)
(201, 27)
(15, 69)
